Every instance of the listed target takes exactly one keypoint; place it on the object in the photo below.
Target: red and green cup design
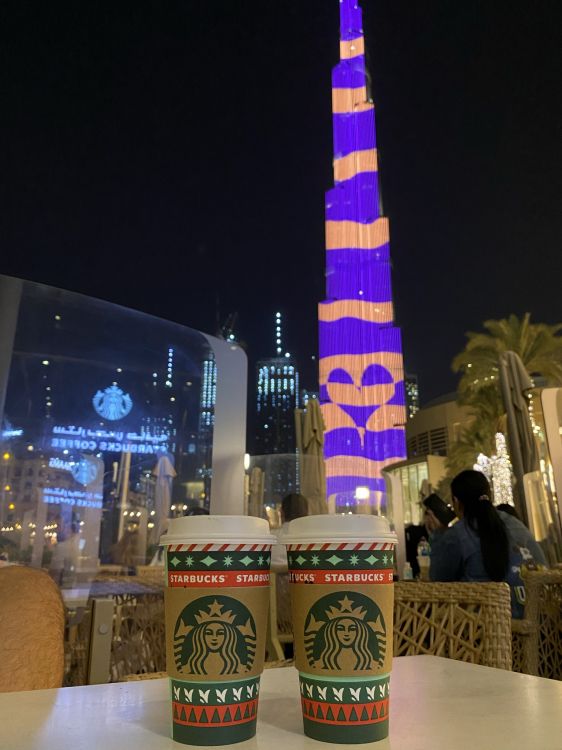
(216, 613)
(214, 713)
(360, 708)
(342, 598)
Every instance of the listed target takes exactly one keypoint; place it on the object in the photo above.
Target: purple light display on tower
(361, 369)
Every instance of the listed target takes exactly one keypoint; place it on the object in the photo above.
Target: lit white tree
(497, 469)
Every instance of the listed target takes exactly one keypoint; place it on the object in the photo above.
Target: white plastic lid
(338, 528)
(217, 529)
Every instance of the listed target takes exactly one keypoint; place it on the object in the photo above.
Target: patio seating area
(469, 622)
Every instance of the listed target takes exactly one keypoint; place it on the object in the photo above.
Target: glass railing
(107, 419)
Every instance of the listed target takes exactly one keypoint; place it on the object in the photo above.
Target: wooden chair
(32, 623)
(466, 621)
(537, 640)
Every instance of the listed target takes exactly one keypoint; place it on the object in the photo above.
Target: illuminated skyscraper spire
(361, 369)
(278, 340)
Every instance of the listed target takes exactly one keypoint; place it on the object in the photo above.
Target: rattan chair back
(537, 640)
(466, 621)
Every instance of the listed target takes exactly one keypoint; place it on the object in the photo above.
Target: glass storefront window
(412, 479)
(106, 430)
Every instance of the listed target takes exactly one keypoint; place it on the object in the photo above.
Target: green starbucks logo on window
(345, 631)
(215, 635)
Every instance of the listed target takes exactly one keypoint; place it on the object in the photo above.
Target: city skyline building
(361, 368)
(207, 403)
(308, 395)
(277, 396)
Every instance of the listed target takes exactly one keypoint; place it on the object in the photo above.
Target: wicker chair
(77, 645)
(537, 640)
(466, 621)
(280, 626)
(144, 676)
(31, 630)
(160, 675)
(153, 574)
(110, 570)
(521, 652)
(138, 643)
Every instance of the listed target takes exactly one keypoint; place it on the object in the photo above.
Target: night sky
(173, 157)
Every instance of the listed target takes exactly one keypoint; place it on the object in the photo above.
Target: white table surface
(436, 704)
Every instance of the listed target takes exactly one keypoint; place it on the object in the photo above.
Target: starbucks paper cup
(341, 579)
(216, 601)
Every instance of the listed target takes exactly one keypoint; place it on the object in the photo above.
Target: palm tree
(487, 418)
(538, 345)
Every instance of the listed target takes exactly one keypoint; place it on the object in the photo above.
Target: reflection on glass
(413, 479)
(106, 430)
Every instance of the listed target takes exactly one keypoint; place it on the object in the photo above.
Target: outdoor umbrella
(164, 472)
(256, 486)
(310, 446)
(515, 382)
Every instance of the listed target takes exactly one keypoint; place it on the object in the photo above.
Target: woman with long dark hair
(485, 544)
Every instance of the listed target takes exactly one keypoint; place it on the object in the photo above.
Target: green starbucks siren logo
(345, 631)
(215, 635)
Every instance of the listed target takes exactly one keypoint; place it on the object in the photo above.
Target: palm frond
(540, 347)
